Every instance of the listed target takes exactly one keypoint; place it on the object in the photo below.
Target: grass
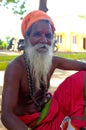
(5, 59)
(3, 65)
(74, 56)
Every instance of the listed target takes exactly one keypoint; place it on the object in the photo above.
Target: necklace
(31, 86)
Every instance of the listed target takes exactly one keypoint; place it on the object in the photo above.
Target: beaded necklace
(31, 86)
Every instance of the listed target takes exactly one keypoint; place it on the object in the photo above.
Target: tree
(43, 5)
(19, 6)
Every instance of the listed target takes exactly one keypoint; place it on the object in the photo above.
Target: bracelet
(29, 129)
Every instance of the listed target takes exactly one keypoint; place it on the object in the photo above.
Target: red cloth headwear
(33, 17)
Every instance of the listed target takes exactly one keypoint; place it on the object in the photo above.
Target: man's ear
(26, 41)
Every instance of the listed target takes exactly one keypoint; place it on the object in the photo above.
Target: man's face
(41, 33)
(38, 48)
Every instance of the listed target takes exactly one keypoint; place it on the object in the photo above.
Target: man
(26, 102)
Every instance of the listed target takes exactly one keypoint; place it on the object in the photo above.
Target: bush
(4, 45)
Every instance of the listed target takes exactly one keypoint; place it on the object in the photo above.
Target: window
(59, 38)
(74, 39)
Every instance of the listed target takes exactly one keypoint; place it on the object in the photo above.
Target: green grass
(75, 56)
(3, 65)
(5, 59)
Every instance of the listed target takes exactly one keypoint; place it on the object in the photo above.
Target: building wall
(71, 41)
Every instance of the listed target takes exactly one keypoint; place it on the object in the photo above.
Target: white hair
(40, 62)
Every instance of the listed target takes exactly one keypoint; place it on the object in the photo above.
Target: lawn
(5, 59)
(72, 55)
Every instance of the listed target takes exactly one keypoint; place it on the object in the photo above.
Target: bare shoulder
(16, 66)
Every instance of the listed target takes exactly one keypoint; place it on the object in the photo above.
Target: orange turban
(33, 17)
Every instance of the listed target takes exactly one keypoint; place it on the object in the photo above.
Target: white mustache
(39, 45)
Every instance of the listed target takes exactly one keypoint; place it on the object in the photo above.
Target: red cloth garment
(33, 17)
(68, 100)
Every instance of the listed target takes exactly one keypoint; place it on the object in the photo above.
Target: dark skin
(15, 98)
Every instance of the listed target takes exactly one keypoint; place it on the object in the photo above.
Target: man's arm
(67, 64)
(10, 99)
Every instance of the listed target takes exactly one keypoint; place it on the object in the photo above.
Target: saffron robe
(69, 99)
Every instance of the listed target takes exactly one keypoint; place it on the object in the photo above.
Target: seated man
(26, 101)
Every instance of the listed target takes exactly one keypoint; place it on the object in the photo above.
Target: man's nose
(43, 39)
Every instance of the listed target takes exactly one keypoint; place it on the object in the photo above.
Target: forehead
(42, 26)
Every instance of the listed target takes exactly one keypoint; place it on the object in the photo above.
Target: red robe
(69, 99)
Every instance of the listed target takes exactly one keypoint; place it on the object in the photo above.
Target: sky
(11, 25)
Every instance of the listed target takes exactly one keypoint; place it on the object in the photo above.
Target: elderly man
(26, 102)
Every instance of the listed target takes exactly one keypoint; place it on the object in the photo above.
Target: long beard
(40, 63)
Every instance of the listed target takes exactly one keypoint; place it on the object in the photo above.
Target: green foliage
(17, 6)
(3, 45)
(8, 1)
(82, 16)
(7, 38)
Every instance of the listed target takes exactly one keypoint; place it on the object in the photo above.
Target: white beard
(40, 62)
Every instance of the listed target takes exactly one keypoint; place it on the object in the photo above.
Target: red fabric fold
(68, 100)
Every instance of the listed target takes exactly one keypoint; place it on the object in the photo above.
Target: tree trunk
(43, 5)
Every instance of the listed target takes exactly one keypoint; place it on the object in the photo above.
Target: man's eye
(49, 35)
(37, 34)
